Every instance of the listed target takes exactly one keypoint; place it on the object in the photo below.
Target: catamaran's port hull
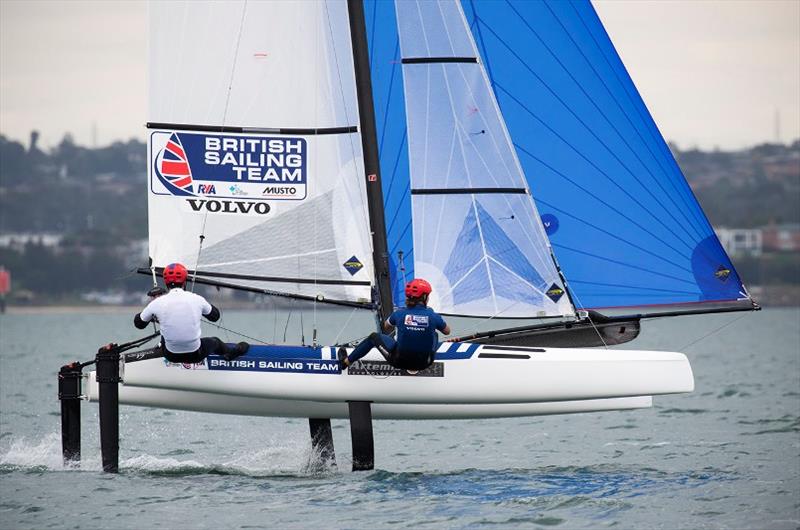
(252, 406)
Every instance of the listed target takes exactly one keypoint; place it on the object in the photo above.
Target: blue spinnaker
(624, 224)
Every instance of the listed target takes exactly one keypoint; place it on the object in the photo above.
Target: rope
(238, 333)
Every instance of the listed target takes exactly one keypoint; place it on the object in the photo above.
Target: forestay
(254, 146)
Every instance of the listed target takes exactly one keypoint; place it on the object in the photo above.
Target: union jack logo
(174, 166)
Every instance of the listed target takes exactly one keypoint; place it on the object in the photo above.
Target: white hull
(468, 381)
(250, 406)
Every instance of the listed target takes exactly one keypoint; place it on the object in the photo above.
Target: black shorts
(208, 346)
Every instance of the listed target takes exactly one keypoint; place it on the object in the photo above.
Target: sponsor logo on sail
(227, 206)
(236, 190)
(193, 164)
(555, 293)
(550, 223)
(172, 167)
(353, 265)
(723, 273)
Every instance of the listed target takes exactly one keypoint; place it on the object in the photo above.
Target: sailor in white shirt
(179, 312)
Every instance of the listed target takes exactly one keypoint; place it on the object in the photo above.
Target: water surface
(725, 456)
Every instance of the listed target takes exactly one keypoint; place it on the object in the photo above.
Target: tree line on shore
(96, 198)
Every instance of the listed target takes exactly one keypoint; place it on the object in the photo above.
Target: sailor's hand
(155, 292)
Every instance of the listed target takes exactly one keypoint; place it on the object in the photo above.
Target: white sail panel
(250, 64)
(477, 235)
(277, 209)
(433, 29)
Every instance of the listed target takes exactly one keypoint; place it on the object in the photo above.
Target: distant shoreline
(130, 309)
(56, 309)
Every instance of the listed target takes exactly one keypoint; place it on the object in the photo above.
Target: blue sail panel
(387, 93)
(622, 220)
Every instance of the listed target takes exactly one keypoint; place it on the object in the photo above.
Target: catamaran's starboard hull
(251, 406)
(468, 380)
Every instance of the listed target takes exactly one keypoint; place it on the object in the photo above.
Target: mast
(369, 145)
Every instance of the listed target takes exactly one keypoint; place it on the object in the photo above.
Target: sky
(714, 73)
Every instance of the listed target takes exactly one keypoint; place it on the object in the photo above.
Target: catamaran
(331, 150)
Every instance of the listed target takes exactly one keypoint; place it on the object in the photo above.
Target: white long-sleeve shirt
(179, 313)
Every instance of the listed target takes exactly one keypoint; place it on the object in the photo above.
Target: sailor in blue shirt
(416, 325)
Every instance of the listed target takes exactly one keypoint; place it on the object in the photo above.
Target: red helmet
(175, 273)
(417, 288)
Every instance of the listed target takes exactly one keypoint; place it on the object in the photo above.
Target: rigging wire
(588, 315)
(349, 318)
(202, 235)
(715, 331)
(233, 67)
(302, 329)
(274, 315)
(316, 164)
(288, 317)
(476, 324)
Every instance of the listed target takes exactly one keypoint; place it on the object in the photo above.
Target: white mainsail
(253, 146)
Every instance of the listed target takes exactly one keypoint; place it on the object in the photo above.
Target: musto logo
(228, 174)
